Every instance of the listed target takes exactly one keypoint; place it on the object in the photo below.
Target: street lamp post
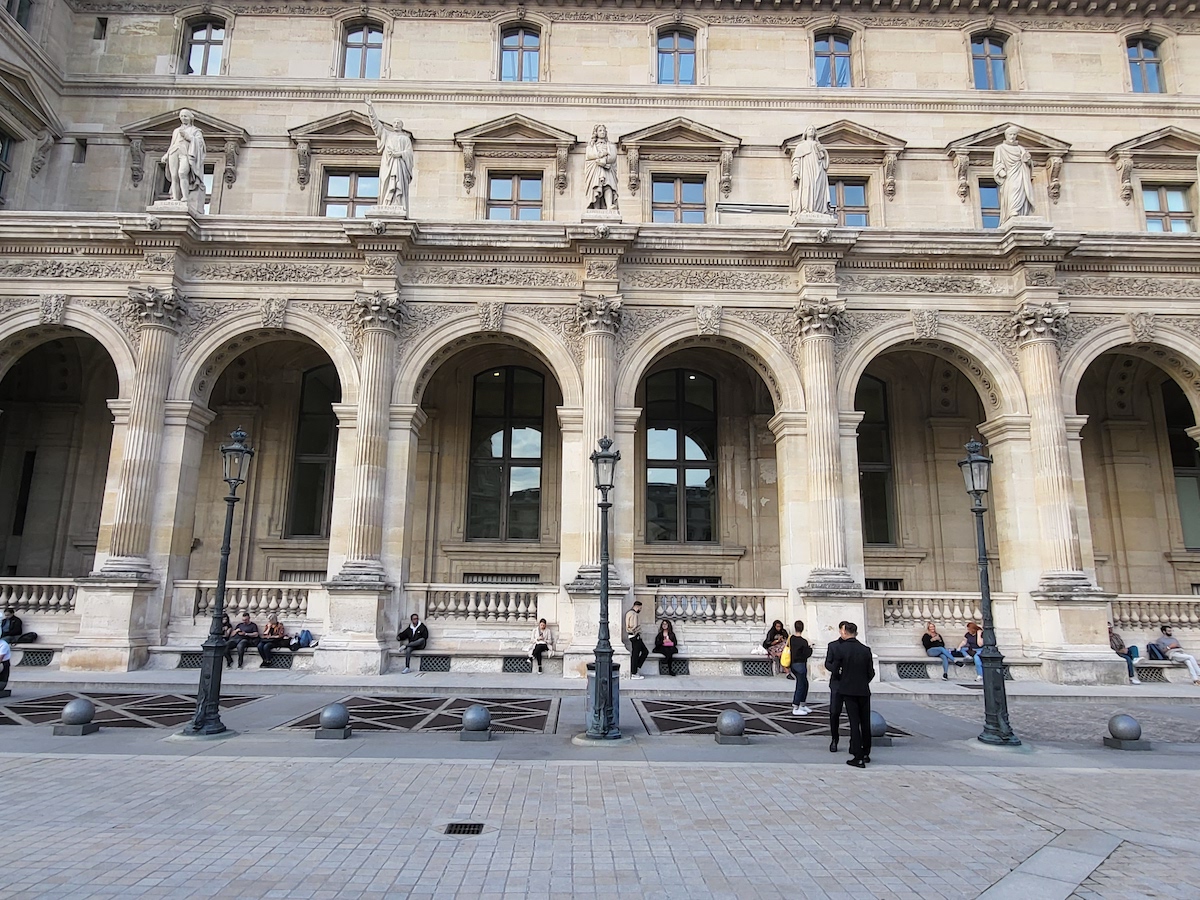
(207, 721)
(601, 726)
(976, 469)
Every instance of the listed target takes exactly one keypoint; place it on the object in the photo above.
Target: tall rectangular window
(205, 44)
(6, 149)
(1145, 66)
(362, 51)
(677, 199)
(681, 457)
(849, 202)
(514, 196)
(520, 47)
(348, 195)
(20, 10)
(1167, 208)
(831, 59)
(875, 462)
(676, 57)
(1184, 459)
(989, 65)
(316, 447)
(989, 203)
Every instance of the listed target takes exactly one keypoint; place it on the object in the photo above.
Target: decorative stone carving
(421, 318)
(492, 276)
(1053, 177)
(275, 272)
(379, 310)
(921, 284)
(154, 223)
(184, 161)
(137, 160)
(726, 172)
(995, 328)
(303, 163)
(273, 311)
(562, 320)
(378, 226)
(708, 318)
(381, 266)
(810, 175)
(45, 140)
(967, 364)
(1037, 321)
(600, 171)
(1012, 168)
(1124, 164)
(561, 154)
(74, 269)
(638, 320)
(820, 317)
(1038, 276)
(818, 273)
(632, 158)
(231, 155)
(1075, 328)
(853, 326)
(890, 161)
(341, 315)
(1129, 286)
(708, 279)
(396, 162)
(53, 308)
(925, 323)
(1141, 327)
(600, 270)
(158, 262)
(151, 306)
(468, 150)
(962, 173)
(491, 315)
(599, 313)
(202, 316)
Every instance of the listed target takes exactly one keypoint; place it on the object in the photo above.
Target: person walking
(799, 653)
(637, 647)
(666, 644)
(855, 669)
(543, 642)
(936, 647)
(414, 637)
(833, 665)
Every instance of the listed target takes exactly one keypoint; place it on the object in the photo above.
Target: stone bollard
(476, 724)
(334, 723)
(879, 736)
(77, 718)
(731, 728)
(1126, 734)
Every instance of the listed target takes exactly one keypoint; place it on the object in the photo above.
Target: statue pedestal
(168, 206)
(824, 220)
(387, 212)
(596, 216)
(1026, 222)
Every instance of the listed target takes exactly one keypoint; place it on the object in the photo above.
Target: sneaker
(945, 676)
(636, 677)
(804, 711)
(1134, 680)
(406, 670)
(979, 678)
(796, 711)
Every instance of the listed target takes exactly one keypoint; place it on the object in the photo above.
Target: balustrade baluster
(760, 608)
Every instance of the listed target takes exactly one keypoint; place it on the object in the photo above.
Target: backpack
(1153, 651)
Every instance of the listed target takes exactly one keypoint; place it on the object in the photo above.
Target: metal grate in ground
(534, 716)
(912, 670)
(36, 658)
(518, 664)
(434, 664)
(113, 710)
(1151, 674)
(759, 668)
(700, 717)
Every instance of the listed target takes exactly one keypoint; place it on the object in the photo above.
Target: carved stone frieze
(1038, 276)
(637, 320)
(341, 315)
(820, 317)
(70, 268)
(150, 305)
(925, 323)
(53, 308)
(818, 273)
(921, 284)
(994, 328)
(118, 310)
(600, 270)
(158, 262)
(491, 315)
(780, 324)
(1189, 324)
(421, 318)
(381, 266)
(202, 316)
(1141, 327)
(708, 318)
(379, 310)
(562, 320)
(492, 276)
(1128, 286)
(273, 311)
(275, 272)
(854, 325)
(598, 312)
(1075, 328)
(1037, 321)
(709, 279)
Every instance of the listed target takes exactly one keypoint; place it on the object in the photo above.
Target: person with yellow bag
(795, 659)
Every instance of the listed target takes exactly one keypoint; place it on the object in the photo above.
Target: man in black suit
(413, 637)
(835, 700)
(854, 669)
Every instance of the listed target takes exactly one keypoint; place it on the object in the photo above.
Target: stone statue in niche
(184, 162)
(601, 171)
(810, 177)
(1012, 167)
(395, 164)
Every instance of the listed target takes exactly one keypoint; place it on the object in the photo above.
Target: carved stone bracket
(1141, 327)
(468, 151)
(560, 167)
(150, 305)
(379, 310)
(491, 315)
(303, 163)
(820, 317)
(632, 158)
(53, 308)
(890, 161)
(41, 150)
(726, 171)
(1124, 164)
(137, 161)
(708, 318)
(273, 311)
(231, 155)
(1054, 177)
(599, 313)
(1038, 321)
(925, 323)
(962, 173)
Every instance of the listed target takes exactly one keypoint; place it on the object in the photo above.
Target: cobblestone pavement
(146, 825)
(1043, 719)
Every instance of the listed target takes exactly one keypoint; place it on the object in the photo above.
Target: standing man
(854, 673)
(835, 700)
(413, 637)
(637, 647)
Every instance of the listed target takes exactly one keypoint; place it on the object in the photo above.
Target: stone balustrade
(951, 610)
(705, 605)
(288, 600)
(38, 595)
(484, 603)
(1138, 612)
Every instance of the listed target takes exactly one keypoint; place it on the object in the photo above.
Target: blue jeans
(800, 673)
(944, 654)
(978, 665)
(1130, 654)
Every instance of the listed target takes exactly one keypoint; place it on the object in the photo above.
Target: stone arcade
(601, 220)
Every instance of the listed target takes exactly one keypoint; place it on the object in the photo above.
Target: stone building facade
(790, 390)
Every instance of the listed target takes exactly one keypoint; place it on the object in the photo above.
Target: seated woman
(774, 643)
(935, 646)
(543, 641)
(273, 637)
(666, 644)
(969, 649)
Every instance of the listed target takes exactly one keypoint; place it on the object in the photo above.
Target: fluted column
(599, 318)
(1035, 327)
(819, 321)
(160, 314)
(379, 315)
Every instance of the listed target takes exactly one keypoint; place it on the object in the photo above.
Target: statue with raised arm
(184, 162)
(1012, 167)
(395, 163)
(600, 171)
(810, 176)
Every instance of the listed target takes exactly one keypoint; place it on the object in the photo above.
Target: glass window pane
(662, 443)
(824, 68)
(660, 396)
(217, 34)
(666, 68)
(991, 221)
(977, 46)
(1154, 225)
(353, 66)
(999, 79)
(339, 186)
(530, 215)
(484, 496)
(989, 196)
(979, 67)
(687, 68)
(664, 192)
(1153, 81)
(700, 496)
(1150, 200)
(693, 216)
(500, 213)
(531, 189)
(511, 39)
(875, 496)
(843, 71)
(489, 393)
(508, 65)
(873, 445)
(856, 220)
(530, 68)
(666, 41)
(700, 443)
(336, 211)
(314, 435)
(1187, 488)
(1180, 226)
(368, 187)
(855, 194)
(822, 44)
(488, 440)
(841, 44)
(531, 39)
(664, 216)
(686, 41)
(527, 394)
(500, 189)
(1176, 201)
(693, 192)
(527, 443)
(1135, 76)
(195, 59)
(374, 59)
(214, 60)
(662, 505)
(524, 503)
(699, 396)
(1132, 50)
(308, 499)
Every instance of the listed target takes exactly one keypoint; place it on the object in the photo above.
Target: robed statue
(1012, 168)
(395, 162)
(600, 170)
(184, 162)
(810, 175)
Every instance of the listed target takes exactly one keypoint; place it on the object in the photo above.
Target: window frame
(837, 184)
(367, 25)
(832, 33)
(515, 204)
(1141, 63)
(987, 211)
(1188, 189)
(888, 468)
(8, 142)
(328, 459)
(678, 21)
(189, 27)
(160, 187)
(321, 196)
(193, 15)
(1005, 42)
(677, 55)
(1164, 41)
(679, 179)
(523, 28)
(14, 9)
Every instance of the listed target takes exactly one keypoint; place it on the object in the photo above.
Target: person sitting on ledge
(1171, 650)
(273, 637)
(245, 633)
(543, 642)
(414, 637)
(936, 647)
(972, 643)
(667, 644)
(12, 630)
(1129, 654)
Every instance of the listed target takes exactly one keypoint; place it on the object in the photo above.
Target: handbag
(785, 659)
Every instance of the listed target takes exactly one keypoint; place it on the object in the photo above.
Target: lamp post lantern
(976, 470)
(207, 721)
(601, 726)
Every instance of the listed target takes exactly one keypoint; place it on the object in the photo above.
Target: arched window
(504, 491)
(313, 458)
(875, 463)
(681, 457)
(362, 50)
(203, 47)
(520, 48)
(1184, 459)
(676, 56)
(831, 59)
(1145, 65)
(989, 64)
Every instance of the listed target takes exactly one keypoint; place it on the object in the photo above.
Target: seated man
(413, 637)
(245, 633)
(273, 637)
(1171, 650)
(1129, 654)
(12, 631)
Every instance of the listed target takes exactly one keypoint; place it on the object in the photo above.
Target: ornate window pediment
(680, 140)
(1170, 152)
(515, 137)
(23, 105)
(344, 134)
(976, 150)
(856, 151)
(153, 135)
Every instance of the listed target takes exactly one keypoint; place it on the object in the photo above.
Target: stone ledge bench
(181, 657)
(712, 665)
(1163, 671)
(912, 667)
(431, 659)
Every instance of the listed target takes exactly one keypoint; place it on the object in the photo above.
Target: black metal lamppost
(601, 725)
(236, 459)
(976, 469)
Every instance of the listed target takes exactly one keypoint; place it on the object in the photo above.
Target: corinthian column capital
(149, 305)
(820, 318)
(599, 312)
(379, 311)
(1037, 321)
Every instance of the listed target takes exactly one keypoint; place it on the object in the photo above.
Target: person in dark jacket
(414, 637)
(774, 642)
(854, 670)
(835, 700)
(800, 651)
(667, 644)
(13, 631)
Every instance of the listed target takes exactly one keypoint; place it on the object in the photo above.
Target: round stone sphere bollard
(731, 728)
(476, 724)
(79, 711)
(878, 725)
(1124, 727)
(335, 715)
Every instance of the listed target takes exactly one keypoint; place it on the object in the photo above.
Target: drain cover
(464, 828)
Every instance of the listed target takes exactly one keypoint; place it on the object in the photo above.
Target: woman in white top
(543, 640)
